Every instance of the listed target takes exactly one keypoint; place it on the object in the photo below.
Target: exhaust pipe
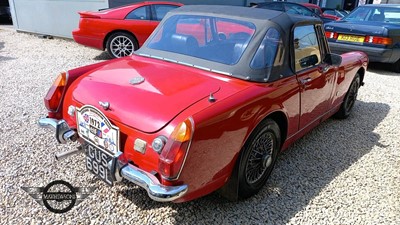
(62, 155)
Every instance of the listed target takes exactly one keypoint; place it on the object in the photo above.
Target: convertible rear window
(266, 52)
(211, 38)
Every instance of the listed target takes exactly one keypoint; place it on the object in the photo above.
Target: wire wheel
(351, 99)
(260, 158)
(257, 158)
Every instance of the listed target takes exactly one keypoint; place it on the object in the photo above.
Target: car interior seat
(184, 44)
(378, 17)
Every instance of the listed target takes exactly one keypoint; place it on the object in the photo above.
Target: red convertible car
(121, 30)
(207, 103)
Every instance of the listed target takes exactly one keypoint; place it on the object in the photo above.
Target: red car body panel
(95, 27)
(172, 92)
(317, 9)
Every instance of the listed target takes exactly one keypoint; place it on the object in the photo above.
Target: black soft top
(263, 19)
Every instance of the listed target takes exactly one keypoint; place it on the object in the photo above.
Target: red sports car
(207, 103)
(316, 9)
(121, 30)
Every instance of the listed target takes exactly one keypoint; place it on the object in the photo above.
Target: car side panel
(352, 63)
(141, 29)
(222, 130)
(315, 93)
(92, 32)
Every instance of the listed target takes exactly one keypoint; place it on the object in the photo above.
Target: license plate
(97, 161)
(95, 128)
(350, 38)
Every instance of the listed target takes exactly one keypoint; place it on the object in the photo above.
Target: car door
(139, 22)
(314, 77)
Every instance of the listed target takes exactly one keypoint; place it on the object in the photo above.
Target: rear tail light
(329, 34)
(53, 98)
(174, 154)
(378, 40)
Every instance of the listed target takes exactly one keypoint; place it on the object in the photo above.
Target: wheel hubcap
(121, 46)
(260, 158)
(266, 161)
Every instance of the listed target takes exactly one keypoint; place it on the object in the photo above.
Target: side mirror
(333, 59)
(308, 61)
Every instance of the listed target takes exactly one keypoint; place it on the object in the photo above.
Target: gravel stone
(342, 172)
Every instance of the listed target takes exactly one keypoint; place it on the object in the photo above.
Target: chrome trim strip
(202, 68)
(187, 152)
(186, 64)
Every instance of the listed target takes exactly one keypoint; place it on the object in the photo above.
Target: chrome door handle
(305, 81)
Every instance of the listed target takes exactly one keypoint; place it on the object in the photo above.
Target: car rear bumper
(155, 190)
(121, 168)
(92, 42)
(383, 55)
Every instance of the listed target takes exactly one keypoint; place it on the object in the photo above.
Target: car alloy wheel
(121, 44)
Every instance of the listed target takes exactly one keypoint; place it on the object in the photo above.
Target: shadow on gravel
(382, 68)
(4, 58)
(103, 56)
(301, 173)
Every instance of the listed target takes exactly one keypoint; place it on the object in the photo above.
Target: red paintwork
(95, 27)
(317, 9)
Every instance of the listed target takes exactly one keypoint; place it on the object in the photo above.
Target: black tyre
(396, 66)
(258, 158)
(349, 99)
(121, 44)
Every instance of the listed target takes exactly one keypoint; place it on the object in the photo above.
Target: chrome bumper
(119, 167)
(63, 132)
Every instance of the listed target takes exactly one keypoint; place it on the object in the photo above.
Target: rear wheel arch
(281, 119)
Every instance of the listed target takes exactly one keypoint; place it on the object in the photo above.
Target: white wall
(51, 17)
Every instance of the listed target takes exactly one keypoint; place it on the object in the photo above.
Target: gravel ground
(343, 172)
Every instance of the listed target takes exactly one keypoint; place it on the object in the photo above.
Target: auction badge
(59, 196)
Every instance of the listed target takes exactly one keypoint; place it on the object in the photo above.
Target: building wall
(51, 17)
(390, 1)
(114, 3)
